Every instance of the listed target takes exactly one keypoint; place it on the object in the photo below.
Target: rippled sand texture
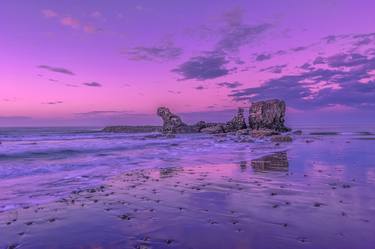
(278, 201)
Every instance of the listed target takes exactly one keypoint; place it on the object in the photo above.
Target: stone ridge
(266, 118)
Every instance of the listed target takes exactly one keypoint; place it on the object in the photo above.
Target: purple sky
(95, 62)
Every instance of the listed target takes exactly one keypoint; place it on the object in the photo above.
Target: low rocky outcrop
(201, 126)
(237, 123)
(263, 133)
(269, 114)
(243, 132)
(213, 129)
(132, 129)
(266, 118)
(281, 139)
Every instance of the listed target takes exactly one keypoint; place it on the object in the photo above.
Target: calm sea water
(42, 164)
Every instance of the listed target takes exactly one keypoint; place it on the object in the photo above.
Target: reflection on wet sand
(191, 207)
(274, 162)
(326, 200)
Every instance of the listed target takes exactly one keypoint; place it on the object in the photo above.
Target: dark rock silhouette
(266, 118)
(237, 123)
(281, 138)
(202, 126)
(263, 133)
(269, 114)
(173, 123)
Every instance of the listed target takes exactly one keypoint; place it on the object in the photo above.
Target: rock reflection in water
(274, 162)
(243, 166)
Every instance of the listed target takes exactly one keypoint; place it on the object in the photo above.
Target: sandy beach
(303, 196)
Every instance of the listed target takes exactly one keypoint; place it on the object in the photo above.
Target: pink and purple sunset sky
(96, 62)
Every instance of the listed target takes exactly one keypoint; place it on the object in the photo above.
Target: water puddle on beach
(316, 192)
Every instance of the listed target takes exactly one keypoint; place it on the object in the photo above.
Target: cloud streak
(53, 103)
(92, 84)
(56, 69)
(236, 33)
(69, 21)
(204, 67)
(230, 85)
(162, 52)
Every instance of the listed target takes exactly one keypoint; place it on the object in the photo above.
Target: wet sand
(263, 203)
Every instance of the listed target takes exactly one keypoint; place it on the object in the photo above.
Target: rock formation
(172, 123)
(266, 118)
(268, 114)
(237, 123)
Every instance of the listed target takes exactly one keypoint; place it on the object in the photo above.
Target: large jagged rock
(269, 114)
(237, 123)
(173, 123)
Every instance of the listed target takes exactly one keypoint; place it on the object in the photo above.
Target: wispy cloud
(56, 69)
(53, 103)
(230, 85)
(207, 66)
(163, 52)
(200, 87)
(92, 84)
(174, 92)
(232, 35)
(88, 28)
(274, 69)
(236, 33)
(263, 57)
(300, 48)
(69, 21)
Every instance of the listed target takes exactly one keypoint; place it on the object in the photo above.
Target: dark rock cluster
(266, 118)
(237, 123)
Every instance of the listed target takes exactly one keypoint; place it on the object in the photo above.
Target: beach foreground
(305, 196)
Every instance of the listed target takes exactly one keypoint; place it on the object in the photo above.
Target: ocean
(42, 164)
(116, 190)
